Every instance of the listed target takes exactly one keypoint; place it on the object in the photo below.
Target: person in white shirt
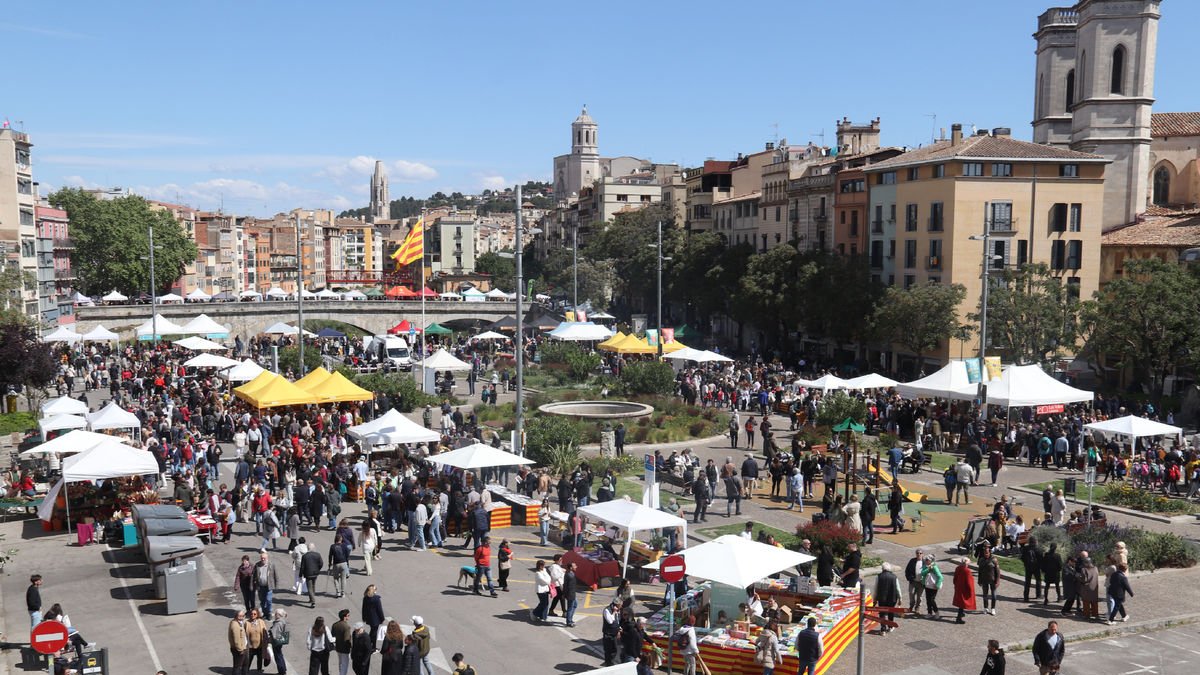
(686, 637)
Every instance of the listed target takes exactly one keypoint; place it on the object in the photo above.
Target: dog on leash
(465, 573)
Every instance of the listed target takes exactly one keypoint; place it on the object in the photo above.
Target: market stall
(632, 517)
(118, 465)
(480, 456)
(392, 428)
(64, 405)
(1020, 386)
(113, 416)
(1133, 427)
(950, 381)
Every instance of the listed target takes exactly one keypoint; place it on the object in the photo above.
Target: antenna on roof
(932, 127)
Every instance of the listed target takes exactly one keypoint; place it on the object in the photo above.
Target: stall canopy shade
(608, 345)
(632, 517)
(313, 379)
(825, 382)
(245, 371)
(437, 329)
(259, 381)
(276, 292)
(687, 354)
(114, 297)
(170, 297)
(872, 381)
(207, 360)
(1032, 386)
(948, 382)
(337, 389)
(473, 295)
(490, 335)
(64, 406)
(100, 334)
(113, 416)
(392, 428)
(109, 460)
(198, 294)
(328, 294)
(280, 328)
(204, 325)
(245, 295)
(496, 294)
(444, 360)
(1132, 426)
(506, 323)
(162, 324)
(200, 344)
(580, 331)
(478, 456)
(276, 393)
(330, 333)
(404, 326)
(735, 561)
(62, 334)
(60, 422)
(354, 295)
(401, 292)
(70, 442)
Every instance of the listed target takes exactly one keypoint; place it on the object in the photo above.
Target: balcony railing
(876, 227)
(1003, 225)
(60, 273)
(64, 243)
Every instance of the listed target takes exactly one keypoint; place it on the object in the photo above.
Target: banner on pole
(652, 337)
(994, 369)
(974, 375)
(668, 336)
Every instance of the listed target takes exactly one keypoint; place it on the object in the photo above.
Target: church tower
(1054, 95)
(585, 149)
(380, 206)
(1116, 43)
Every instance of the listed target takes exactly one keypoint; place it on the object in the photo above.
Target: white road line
(137, 616)
(586, 645)
(1190, 651)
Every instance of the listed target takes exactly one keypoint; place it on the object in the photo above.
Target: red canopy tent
(401, 292)
(403, 327)
(428, 292)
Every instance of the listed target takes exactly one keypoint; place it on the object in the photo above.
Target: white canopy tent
(496, 294)
(280, 328)
(632, 517)
(1031, 386)
(250, 295)
(392, 428)
(601, 316)
(114, 297)
(198, 295)
(199, 344)
(713, 356)
(450, 295)
(276, 293)
(948, 382)
(62, 334)
(328, 294)
(478, 456)
(629, 668)
(307, 294)
(736, 561)
(111, 459)
(444, 360)
(473, 295)
(687, 354)
(207, 360)
(354, 295)
(170, 298)
(204, 325)
(243, 372)
(825, 383)
(113, 416)
(64, 405)
(100, 334)
(60, 422)
(162, 324)
(1133, 428)
(490, 335)
(585, 331)
(70, 442)
(81, 299)
(872, 381)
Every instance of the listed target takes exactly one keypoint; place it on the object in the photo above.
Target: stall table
(591, 567)
(524, 509)
(206, 526)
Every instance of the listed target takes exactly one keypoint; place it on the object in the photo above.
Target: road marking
(137, 617)
(1151, 670)
(586, 645)
(438, 659)
(1190, 651)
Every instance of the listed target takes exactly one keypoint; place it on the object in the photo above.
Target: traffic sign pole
(672, 570)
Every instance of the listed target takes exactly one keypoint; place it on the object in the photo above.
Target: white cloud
(239, 194)
(493, 182)
(405, 171)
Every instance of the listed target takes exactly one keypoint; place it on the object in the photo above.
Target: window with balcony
(892, 213)
(1001, 169)
(1000, 253)
(999, 215)
(910, 253)
(972, 168)
(936, 211)
(855, 185)
(877, 222)
(910, 217)
(935, 255)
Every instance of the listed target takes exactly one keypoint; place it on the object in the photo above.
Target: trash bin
(182, 585)
(1069, 486)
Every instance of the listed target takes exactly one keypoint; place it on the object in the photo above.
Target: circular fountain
(600, 410)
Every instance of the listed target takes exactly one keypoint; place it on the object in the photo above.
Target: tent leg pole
(67, 501)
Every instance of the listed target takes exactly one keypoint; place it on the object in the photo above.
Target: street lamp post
(299, 296)
(519, 351)
(153, 294)
(986, 238)
(575, 267)
(659, 317)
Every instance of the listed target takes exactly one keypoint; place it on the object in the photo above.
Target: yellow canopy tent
(672, 347)
(313, 379)
(608, 344)
(261, 380)
(278, 392)
(632, 344)
(336, 388)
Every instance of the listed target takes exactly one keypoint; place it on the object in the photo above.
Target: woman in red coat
(964, 589)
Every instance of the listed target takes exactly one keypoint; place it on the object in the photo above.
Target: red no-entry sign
(48, 637)
(672, 568)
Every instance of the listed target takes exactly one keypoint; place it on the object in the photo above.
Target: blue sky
(266, 106)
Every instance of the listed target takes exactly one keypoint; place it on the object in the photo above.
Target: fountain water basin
(598, 409)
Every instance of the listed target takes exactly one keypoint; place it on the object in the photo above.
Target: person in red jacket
(964, 590)
(483, 565)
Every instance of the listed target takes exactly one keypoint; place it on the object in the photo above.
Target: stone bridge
(247, 319)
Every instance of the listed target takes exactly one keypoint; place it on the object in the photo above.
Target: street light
(988, 257)
(661, 258)
(519, 351)
(299, 296)
(153, 290)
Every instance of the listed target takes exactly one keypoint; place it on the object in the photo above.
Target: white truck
(389, 349)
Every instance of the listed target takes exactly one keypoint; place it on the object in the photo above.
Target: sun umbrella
(437, 329)
(490, 335)
(199, 344)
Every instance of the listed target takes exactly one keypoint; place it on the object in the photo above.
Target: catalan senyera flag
(414, 245)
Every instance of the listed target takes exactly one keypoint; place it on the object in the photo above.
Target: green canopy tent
(849, 424)
(685, 332)
(375, 293)
(437, 329)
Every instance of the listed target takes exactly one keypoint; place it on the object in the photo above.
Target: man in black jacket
(610, 630)
(700, 492)
(749, 476)
(887, 594)
(1049, 647)
(570, 599)
(1052, 567)
(912, 574)
(1032, 560)
(310, 568)
(869, 505)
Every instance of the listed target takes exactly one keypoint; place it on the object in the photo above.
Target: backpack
(280, 637)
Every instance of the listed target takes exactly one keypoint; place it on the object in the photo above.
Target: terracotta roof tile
(1180, 231)
(1164, 125)
(983, 146)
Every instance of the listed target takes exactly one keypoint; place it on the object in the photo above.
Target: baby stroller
(972, 534)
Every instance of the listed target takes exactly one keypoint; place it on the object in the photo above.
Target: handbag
(553, 591)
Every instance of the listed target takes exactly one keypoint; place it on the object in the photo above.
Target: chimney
(1002, 132)
(770, 145)
(955, 133)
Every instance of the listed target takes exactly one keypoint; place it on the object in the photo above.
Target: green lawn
(632, 488)
(1055, 485)
(1011, 564)
(940, 461)
(17, 422)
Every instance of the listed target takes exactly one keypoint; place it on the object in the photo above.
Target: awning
(478, 456)
(392, 428)
(736, 561)
(113, 416)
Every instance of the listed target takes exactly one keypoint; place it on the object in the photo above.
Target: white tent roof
(164, 325)
(81, 299)
(170, 297)
(207, 360)
(64, 405)
(628, 668)
(872, 381)
(243, 372)
(204, 325)
(948, 382)
(735, 561)
(70, 442)
(276, 292)
(100, 334)
(111, 459)
(199, 294)
(391, 428)
(60, 422)
(250, 294)
(113, 416)
(601, 314)
(1029, 386)
(496, 293)
(478, 456)
(490, 335)
(1132, 426)
(306, 293)
(633, 517)
(713, 356)
(444, 360)
(450, 295)
(62, 334)
(280, 328)
(580, 331)
(114, 297)
(687, 354)
(825, 382)
(354, 295)
(472, 292)
(199, 344)
(327, 293)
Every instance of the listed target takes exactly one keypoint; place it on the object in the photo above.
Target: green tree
(648, 377)
(839, 405)
(26, 362)
(628, 242)
(768, 294)
(112, 243)
(1031, 317)
(14, 280)
(289, 359)
(1146, 320)
(919, 317)
(503, 270)
(838, 298)
(544, 432)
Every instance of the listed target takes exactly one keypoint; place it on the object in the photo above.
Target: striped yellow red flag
(414, 245)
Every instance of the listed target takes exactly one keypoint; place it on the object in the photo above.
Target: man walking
(239, 644)
(700, 491)
(33, 600)
(570, 599)
(963, 474)
(869, 505)
(809, 648)
(610, 630)
(421, 635)
(265, 581)
(339, 565)
(912, 574)
(310, 567)
(343, 640)
(1049, 647)
(483, 566)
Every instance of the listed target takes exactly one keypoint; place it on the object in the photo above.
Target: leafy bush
(837, 537)
(1152, 550)
(17, 422)
(834, 409)
(579, 363)
(648, 377)
(620, 464)
(289, 359)
(561, 459)
(696, 429)
(1128, 496)
(544, 432)
(1147, 550)
(406, 395)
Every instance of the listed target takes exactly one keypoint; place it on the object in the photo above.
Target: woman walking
(542, 587)
(964, 590)
(320, 644)
(243, 580)
(504, 556)
(1118, 588)
(392, 650)
(368, 539)
(256, 641)
(372, 610)
(766, 648)
(279, 635)
(931, 579)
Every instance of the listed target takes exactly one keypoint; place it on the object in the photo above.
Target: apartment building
(55, 280)
(18, 229)
(706, 184)
(1037, 204)
(451, 244)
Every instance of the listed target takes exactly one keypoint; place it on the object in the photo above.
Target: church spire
(380, 206)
